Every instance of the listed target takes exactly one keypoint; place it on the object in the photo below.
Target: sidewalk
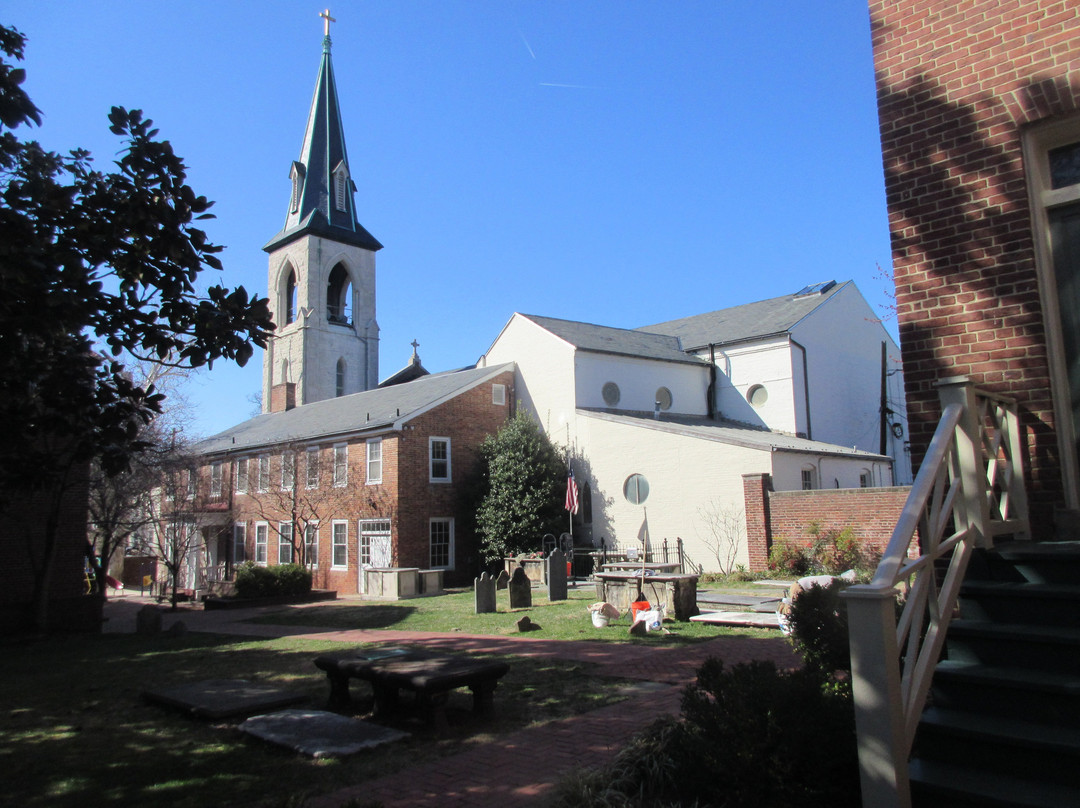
(520, 769)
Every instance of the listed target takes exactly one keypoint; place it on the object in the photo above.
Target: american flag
(571, 492)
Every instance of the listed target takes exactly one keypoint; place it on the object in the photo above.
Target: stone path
(520, 769)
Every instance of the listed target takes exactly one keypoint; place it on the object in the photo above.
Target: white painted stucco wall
(638, 381)
(685, 475)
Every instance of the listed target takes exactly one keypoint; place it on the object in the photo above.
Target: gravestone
(520, 588)
(148, 621)
(484, 593)
(556, 575)
(502, 580)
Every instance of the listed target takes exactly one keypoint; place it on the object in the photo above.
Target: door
(376, 548)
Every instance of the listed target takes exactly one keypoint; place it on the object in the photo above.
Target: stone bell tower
(322, 270)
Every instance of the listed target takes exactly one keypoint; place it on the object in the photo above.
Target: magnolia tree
(519, 492)
(95, 265)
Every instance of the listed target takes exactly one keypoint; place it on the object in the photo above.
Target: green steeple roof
(322, 202)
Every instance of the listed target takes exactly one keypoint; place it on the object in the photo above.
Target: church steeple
(322, 198)
(321, 281)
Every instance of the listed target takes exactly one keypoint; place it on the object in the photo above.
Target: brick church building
(339, 472)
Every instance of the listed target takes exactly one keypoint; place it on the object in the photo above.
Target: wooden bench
(430, 675)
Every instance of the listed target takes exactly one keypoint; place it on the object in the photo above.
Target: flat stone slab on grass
(224, 698)
(748, 603)
(319, 733)
(752, 619)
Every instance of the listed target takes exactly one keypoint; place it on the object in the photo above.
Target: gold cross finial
(328, 19)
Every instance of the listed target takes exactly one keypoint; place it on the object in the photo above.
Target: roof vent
(815, 289)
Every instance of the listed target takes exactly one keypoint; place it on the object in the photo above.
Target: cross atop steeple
(325, 14)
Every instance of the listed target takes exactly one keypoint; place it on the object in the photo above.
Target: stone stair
(1003, 723)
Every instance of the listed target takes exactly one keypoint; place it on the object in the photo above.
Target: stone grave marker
(502, 580)
(484, 593)
(556, 575)
(520, 588)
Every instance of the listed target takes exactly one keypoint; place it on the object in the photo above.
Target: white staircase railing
(968, 491)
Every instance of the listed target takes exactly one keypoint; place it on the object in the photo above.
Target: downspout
(710, 403)
(806, 386)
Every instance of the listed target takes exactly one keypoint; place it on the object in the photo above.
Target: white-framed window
(216, 476)
(263, 482)
(441, 532)
(341, 465)
(374, 461)
(498, 394)
(242, 475)
(285, 548)
(262, 540)
(340, 558)
(312, 467)
(239, 534)
(192, 483)
(311, 544)
(375, 546)
(439, 460)
(864, 478)
(288, 470)
(809, 478)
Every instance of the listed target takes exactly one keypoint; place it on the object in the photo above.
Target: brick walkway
(520, 769)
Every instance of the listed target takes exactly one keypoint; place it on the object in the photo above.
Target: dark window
(339, 296)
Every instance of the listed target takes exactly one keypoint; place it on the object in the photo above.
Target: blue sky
(621, 163)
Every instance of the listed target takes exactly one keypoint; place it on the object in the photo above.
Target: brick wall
(957, 84)
(871, 513)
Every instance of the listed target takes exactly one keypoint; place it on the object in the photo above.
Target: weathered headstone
(556, 575)
(484, 593)
(502, 580)
(526, 624)
(520, 588)
(148, 620)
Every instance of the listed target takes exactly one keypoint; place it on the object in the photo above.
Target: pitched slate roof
(369, 411)
(621, 341)
(750, 321)
(732, 433)
(323, 151)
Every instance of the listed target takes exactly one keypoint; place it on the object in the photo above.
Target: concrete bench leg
(386, 699)
(339, 692)
(483, 697)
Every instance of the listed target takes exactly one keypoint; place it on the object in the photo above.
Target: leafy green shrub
(825, 552)
(254, 581)
(751, 737)
(819, 628)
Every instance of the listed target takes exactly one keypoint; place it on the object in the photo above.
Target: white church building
(800, 387)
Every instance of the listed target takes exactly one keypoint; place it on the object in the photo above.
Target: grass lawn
(454, 612)
(74, 730)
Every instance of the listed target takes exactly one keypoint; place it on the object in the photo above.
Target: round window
(757, 395)
(663, 398)
(611, 394)
(636, 489)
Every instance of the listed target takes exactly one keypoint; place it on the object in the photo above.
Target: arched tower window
(339, 296)
(339, 381)
(290, 297)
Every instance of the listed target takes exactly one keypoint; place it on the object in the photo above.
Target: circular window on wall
(611, 394)
(757, 395)
(663, 398)
(636, 489)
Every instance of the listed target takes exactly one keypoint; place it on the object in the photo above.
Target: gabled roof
(732, 433)
(370, 411)
(620, 341)
(322, 155)
(765, 318)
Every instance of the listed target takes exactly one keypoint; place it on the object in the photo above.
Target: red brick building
(979, 106)
(373, 479)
